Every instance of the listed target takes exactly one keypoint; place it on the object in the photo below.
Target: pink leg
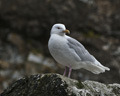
(70, 70)
(65, 71)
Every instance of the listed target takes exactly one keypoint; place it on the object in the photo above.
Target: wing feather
(80, 50)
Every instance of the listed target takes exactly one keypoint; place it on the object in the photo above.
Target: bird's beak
(67, 31)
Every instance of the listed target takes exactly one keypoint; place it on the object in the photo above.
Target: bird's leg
(70, 70)
(65, 71)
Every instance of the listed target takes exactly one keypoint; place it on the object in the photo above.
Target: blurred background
(25, 30)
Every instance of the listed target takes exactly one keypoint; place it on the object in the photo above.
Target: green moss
(80, 85)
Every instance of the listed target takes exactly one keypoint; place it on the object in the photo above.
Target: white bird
(71, 53)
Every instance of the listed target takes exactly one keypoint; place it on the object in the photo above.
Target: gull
(71, 53)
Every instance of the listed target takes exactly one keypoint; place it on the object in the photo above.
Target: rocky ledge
(58, 85)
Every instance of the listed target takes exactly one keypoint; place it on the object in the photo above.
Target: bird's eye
(58, 28)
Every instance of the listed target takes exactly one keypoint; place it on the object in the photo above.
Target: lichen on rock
(57, 85)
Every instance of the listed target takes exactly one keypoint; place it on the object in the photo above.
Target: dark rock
(57, 85)
(34, 18)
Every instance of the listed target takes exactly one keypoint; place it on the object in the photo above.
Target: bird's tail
(96, 68)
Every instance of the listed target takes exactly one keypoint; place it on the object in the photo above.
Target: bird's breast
(56, 43)
(57, 47)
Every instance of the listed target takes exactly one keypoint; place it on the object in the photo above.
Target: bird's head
(59, 29)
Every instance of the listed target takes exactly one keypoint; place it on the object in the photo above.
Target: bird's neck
(63, 35)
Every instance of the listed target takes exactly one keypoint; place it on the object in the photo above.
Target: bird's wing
(80, 50)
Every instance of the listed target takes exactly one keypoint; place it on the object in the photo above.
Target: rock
(33, 18)
(17, 41)
(9, 53)
(56, 85)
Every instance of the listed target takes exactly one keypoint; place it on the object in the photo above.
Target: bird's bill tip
(67, 31)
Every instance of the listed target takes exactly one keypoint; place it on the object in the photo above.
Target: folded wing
(80, 50)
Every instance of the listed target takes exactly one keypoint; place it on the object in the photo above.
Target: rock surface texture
(57, 85)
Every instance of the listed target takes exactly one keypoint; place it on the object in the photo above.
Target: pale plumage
(69, 52)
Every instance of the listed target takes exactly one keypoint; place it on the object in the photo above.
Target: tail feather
(106, 68)
(95, 68)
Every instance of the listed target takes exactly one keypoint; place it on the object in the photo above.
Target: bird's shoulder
(74, 42)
